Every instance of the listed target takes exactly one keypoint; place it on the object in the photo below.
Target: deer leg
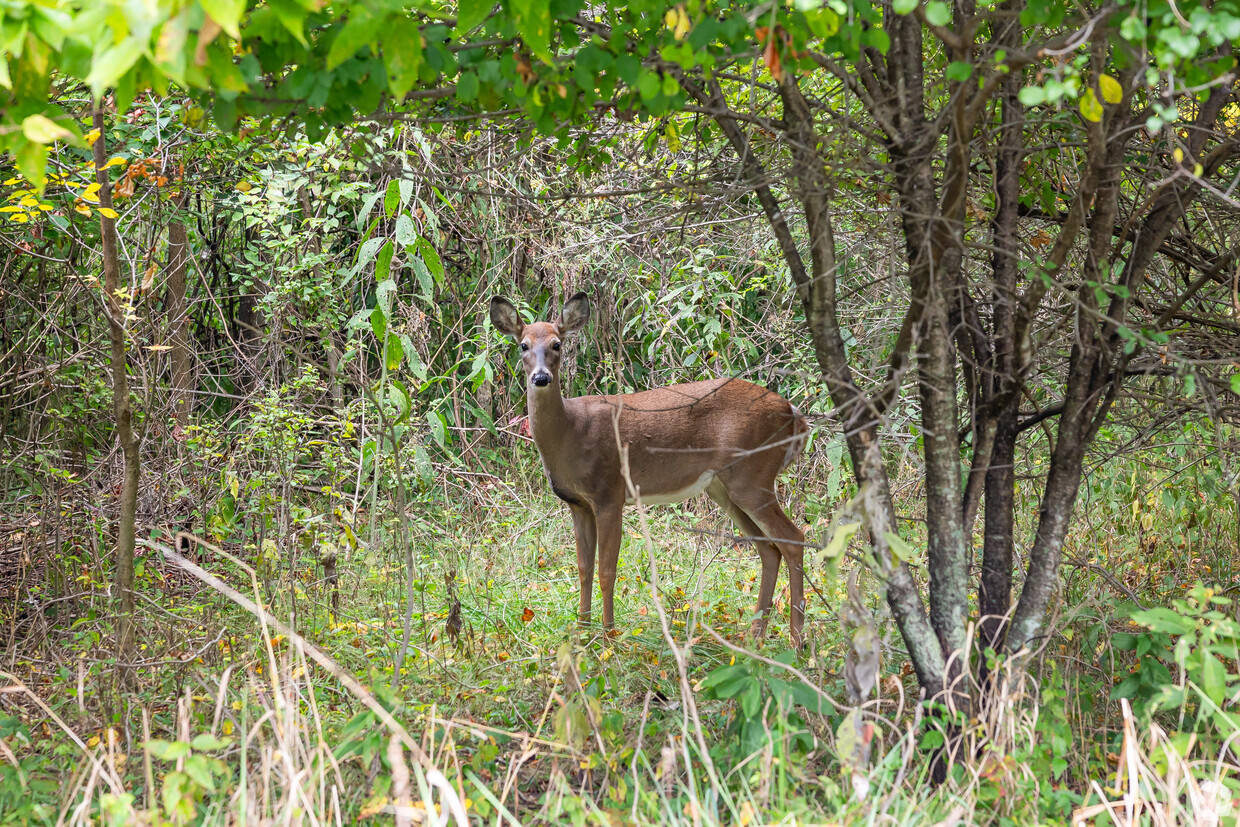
(768, 553)
(587, 533)
(608, 519)
(764, 509)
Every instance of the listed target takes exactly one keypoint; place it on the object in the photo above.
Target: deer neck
(550, 420)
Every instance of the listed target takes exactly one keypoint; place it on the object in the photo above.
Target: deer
(726, 437)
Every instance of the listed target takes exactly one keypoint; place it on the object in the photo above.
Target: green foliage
(326, 65)
(26, 790)
(199, 774)
(768, 709)
(1202, 640)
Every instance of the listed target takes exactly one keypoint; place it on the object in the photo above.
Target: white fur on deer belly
(676, 496)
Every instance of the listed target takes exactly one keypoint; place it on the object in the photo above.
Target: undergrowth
(505, 711)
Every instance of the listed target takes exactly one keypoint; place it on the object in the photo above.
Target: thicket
(1011, 319)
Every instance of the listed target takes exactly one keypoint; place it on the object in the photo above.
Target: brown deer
(727, 437)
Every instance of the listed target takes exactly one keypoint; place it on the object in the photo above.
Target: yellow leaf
(82, 208)
(1178, 155)
(20, 218)
(244, 186)
(158, 348)
(91, 137)
(1112, 92)
(11, 181)
(108, 212)
(10, 208)
(115, 162)
(1091, 109)
(29, 201)
(93, 742)
(682, 23)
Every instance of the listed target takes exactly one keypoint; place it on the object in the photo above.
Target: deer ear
(505, 317)
(575, 314)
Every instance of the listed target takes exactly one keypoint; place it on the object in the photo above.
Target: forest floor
(528, 716)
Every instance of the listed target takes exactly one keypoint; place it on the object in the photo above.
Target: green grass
(532, 719)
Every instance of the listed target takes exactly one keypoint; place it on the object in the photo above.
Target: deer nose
(541, 379)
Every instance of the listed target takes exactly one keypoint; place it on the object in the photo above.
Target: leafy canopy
(316, 64)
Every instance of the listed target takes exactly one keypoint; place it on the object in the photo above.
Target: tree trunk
(123, 414)
(178, 320)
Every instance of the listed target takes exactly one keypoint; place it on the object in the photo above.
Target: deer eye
(555, 345)
(525, 346)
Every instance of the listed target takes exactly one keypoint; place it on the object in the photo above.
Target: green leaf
(199, 771)
(385, 292)
(1133, 28)
(533, 19)
(394, 352)
(804, 695)
(431, 256)
(877, 39)
(1032, 95)
(751, 700)
(649, 85)
(383, 262)
(1213, 678)
(107, 69)
(411, 357)
(1112, 92)
(292, 16)
(422, 462)
(425, 281)
(1162, 619)
(31, 161)
(391, 200)
(359, 31)
(43, 130)
(903, 7)
(378, 323)
(841, 533)
(1091, 108)
(227, 13)
(1235, 383)
(405, 233)
(824, 22)
(206, 742)
(470, 13)
(938, 13)
(402, 55)
(173, 790)
(959, 71)
(439, 428)
(167, 750)
(467, 87)
(899, 547)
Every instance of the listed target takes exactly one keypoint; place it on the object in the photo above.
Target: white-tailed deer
(727, 437)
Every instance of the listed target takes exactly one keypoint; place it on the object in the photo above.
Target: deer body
(727, 437)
